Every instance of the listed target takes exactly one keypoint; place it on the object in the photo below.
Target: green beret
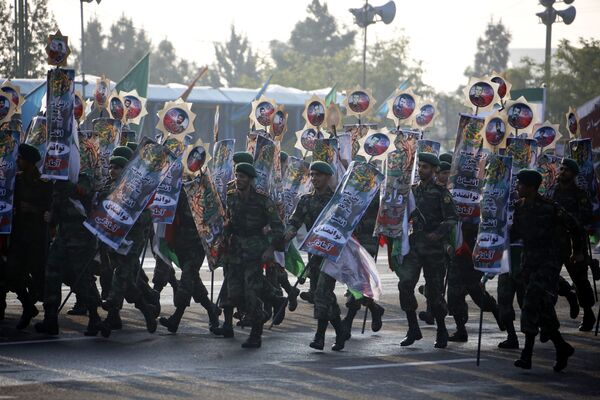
(429, 158)
(246, 168)
(123, 151)
(119, 160)
(243, 157)
(29, 153)
(530, 177)
(447, 157)
(571, 164)
(132, 145)
(322, 167)
(445, 166)
(283, 156)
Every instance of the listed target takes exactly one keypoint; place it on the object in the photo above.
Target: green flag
(137, 79)
(331, 96)
(293, 261)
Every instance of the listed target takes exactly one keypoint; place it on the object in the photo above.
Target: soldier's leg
(506, 295)
(291, 291)
(231, 295)
(457, 306)
(434, 271)
(408, 275)
(57, 257)
(313, 267)
(353, 307)
(579, 275)
(327, 309)
(481, 297)
(162, 274)
(254, 286)
(106, 272)
(568, 292)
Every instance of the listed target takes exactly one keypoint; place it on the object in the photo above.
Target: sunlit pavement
(195, 364)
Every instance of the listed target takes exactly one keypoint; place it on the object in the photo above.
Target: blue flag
(383, 108)
(33, 104)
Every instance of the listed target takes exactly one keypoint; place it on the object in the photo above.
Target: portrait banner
(523, 152)
(398, 169)
(326, 150)
(37, 134)
(468, 168)
(112, 219)
(296, 182)
(60, 123)
(88, 156)
(426, 146)
(164, 205)
(264, 164)
(341, 215)
(107, 132)
(276, 185)
(222, 168)
(581, 152)
(209, 215)
(548, 165)
(493, 226)
(9, 150)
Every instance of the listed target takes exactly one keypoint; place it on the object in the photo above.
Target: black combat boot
(308, 297)
(414, 332)
(353, 308)
(512, 341)
(79, 308)
(49, 325)
(318, 342)
(376, 314)
(254, 341)
(563, 350)
(172, 323)
(149, 312)
(113, 319)
(213, 311)
(461, 335)
(589, 319)
(95, 325)
(525, 360)
(441, 337)
(571, 297)
(293, 298)
(226, 330)
(279, 305)
(29, 310)
(341, 334)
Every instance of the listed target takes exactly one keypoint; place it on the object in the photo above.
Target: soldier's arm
(297, 218)
(448, 213)
(575, 230)
(275, 225)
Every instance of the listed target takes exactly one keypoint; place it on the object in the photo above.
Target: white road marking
(407, 364)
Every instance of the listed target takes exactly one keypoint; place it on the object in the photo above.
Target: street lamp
(548, 17)
(83, 82)
(365, 16)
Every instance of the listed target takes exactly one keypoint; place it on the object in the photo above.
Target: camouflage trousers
(429, 257)
(25, 266)
(69, 262)
(190, 284)
(125, 284)
(463, 280)
(326, 306)
(541, 291)
(578, 272)
(163, 273)
(510, 284)
(276, 274)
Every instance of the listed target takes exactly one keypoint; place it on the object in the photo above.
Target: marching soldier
(432, 220)
(248, 248)
(322, 285)
(537, 221)
(576, 202)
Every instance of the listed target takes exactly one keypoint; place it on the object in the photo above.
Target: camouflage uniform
(539, 224)
(576, 202)
(245, 221)
(434, 213)
(306, 213)
(72, 249)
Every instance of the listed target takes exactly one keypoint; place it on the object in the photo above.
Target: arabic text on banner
(398, 169)
(296, 182)
(523, 152)
(164, 205)
(468, 168)
(548, 165)
(492, 237)
(9, 143)
(341, 215)
(112, 219)
(60, 123)
(106, 131)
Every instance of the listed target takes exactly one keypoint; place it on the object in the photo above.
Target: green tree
(40, 24)
(125, 43)
(237, 64)
(492, 50)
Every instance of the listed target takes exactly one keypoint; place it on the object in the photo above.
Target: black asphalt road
(193, 364)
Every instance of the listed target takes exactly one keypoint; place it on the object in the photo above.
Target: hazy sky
(443, 33)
